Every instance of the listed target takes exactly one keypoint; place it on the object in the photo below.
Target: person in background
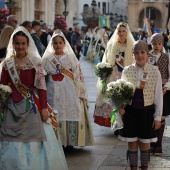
(96, 49)
(87, 39)
(76, 42)
(90, 50)
(165, 36)
(27, 25)
(69, 34)
(161, 60)
(67, 93)
(139, 34)
(109, 33)
(36, 33)
(12, 21)
(42, 47)
(103, 47)
(4, 39)
(35, 26)
(45, 36)
(27, 141)
(142, 118)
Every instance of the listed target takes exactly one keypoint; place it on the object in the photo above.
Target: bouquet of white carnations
(101, 52)
(118, 95)
(86, 42)
(103, 71)
(5, 92)
(98, 47)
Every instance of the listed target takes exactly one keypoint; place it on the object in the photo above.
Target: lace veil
(32, 55)
(99, 36)
(112, 45)
(110, 55)
(78, 76)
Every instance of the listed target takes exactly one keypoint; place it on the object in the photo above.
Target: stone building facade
(135, 10)
(43, 10)
(117, 8)
(156, 10)
(47, 9)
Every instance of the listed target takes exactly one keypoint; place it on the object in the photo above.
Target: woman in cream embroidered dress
(118, 54)
(67, 92)
(26, 140)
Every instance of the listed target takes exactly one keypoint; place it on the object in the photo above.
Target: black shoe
(158, 151)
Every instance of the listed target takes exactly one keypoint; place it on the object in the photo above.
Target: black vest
(43, 38)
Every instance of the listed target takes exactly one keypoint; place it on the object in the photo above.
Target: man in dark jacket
(69, 34)
(36, 29)
(76, 42)
(45, 37)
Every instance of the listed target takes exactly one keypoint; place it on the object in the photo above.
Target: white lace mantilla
(65, 95)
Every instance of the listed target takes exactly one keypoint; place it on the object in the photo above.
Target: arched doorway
(155, 16)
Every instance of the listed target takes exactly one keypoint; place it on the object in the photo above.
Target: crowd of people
(45, 77)
(37, 63)
(131, 57)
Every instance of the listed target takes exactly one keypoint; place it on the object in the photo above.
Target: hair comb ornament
(58, 32)
(122, 23)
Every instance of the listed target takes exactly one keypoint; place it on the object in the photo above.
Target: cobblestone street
(108, 152)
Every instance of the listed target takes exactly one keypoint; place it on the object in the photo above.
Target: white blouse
(158, 97)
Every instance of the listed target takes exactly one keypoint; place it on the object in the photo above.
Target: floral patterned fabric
(63, 95)
(77, 133)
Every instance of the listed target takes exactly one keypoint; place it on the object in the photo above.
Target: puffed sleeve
(4, 77)
(158, 99)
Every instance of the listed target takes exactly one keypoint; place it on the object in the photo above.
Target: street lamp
(93, 4)
(10, 4)
(65, 12)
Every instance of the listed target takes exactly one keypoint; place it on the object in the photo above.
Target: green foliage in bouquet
(98, 47)
(118, 95)
(86, 42)
(103, 71)
(101, 52)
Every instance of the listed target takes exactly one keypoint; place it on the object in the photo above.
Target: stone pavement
(108, 152)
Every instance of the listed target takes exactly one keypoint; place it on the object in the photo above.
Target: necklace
(122, 42)
(21, 57)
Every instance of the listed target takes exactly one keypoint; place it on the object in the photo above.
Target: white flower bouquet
(118, 95)
(103, 71)
(98, 47)
(86, 42)
(5, 92)
(45, 72)
(101, 52)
